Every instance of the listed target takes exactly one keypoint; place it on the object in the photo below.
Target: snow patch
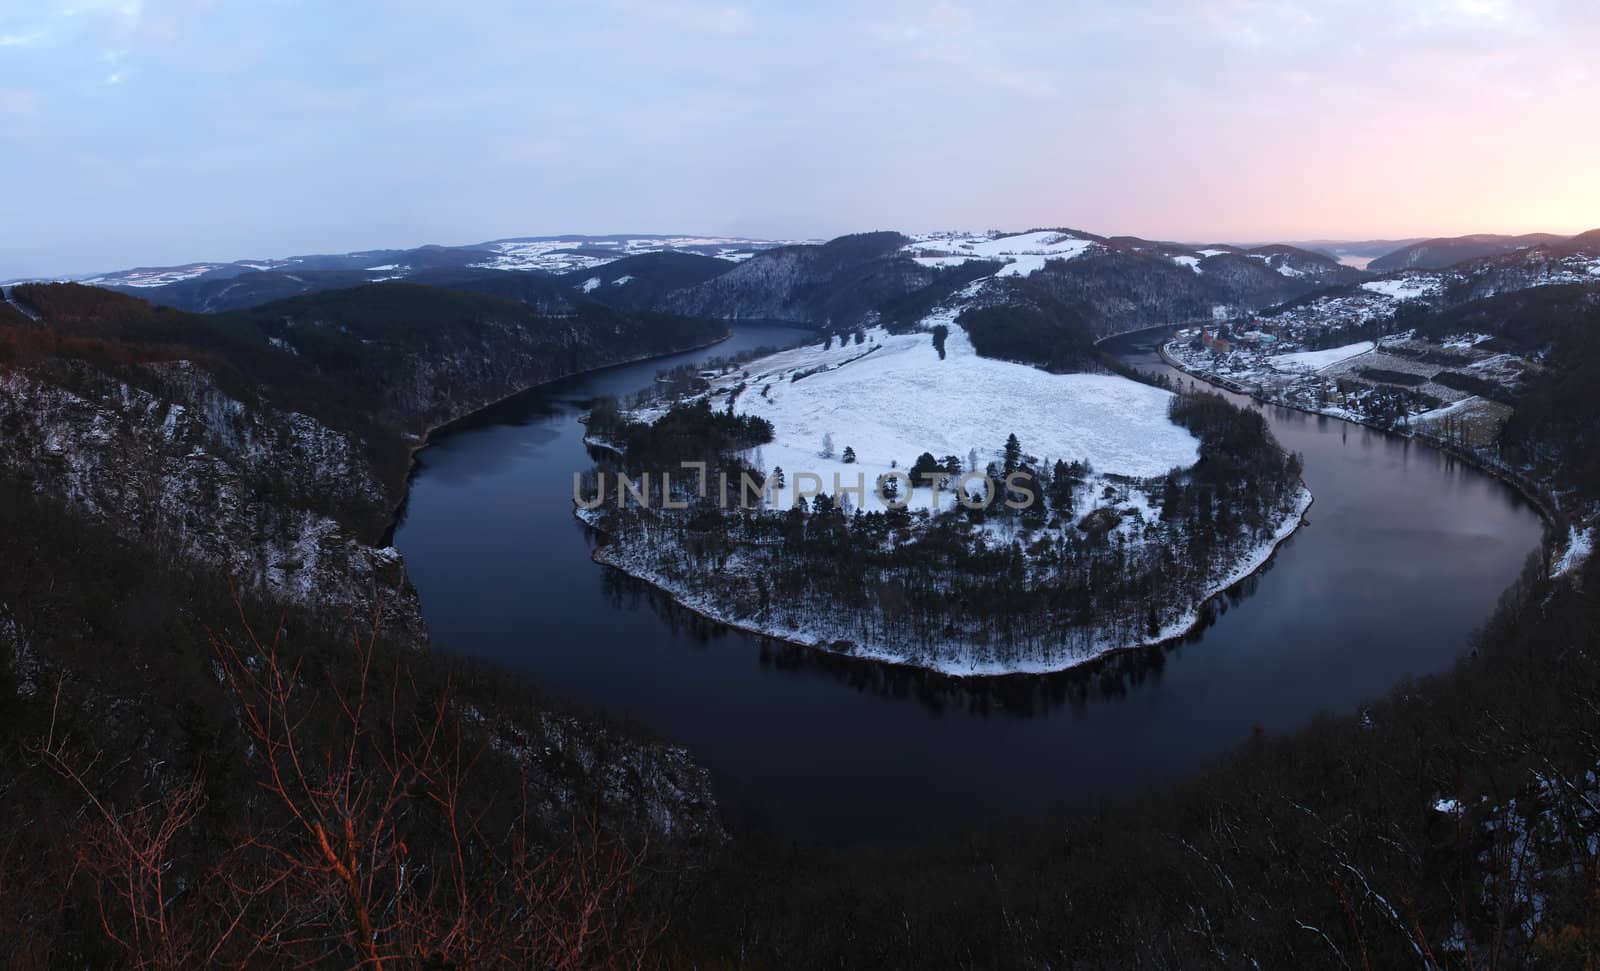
(1317, 360)
(1405, 288)
(1580, 543)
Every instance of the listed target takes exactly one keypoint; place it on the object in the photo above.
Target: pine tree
(849, 455)
(1013, 454)
(1061, 485)
(827, 445)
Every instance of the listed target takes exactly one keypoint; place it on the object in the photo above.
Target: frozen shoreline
(961, 659)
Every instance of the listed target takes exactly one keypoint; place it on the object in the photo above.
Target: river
(1405, 554)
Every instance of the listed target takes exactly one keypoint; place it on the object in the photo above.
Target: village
(1455, 390)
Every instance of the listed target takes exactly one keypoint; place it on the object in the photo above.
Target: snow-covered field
(1317, 360)
(1580, 543)
(1022, 254)
(891, 399)
(1410, 287)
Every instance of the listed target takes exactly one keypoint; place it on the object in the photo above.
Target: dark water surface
(1406, 553)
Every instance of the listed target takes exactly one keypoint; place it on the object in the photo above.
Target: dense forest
(192, 776)
(222, 738)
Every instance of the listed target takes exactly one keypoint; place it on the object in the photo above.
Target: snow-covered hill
(1019, 255)
(563, 254)
(550, 254)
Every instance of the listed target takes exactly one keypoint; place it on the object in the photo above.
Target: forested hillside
(197, 624)
(1555, 430)
(841, 285)
(422, 355)
(1437, 254)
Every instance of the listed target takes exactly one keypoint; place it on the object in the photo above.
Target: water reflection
(1109, 677)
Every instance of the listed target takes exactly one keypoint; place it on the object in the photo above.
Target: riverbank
(954, 659)
(1530, 491)
(397, 514)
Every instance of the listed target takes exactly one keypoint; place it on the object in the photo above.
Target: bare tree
(365, 846)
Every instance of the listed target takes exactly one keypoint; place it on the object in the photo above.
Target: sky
(153, 132)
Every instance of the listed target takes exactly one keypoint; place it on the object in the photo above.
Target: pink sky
(163, 131)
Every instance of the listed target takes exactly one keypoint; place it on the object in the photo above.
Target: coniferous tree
(1013, 454)
(926, 465)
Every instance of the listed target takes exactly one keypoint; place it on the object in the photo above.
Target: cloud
(25, 39)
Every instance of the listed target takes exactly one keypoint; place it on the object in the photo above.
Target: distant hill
(550, 254)
(643, 281)
(841, 283)
(420, 355)
(1573, 261)
(1358, 253)
(1125, 283)
(1436, 254)
(632, 282)
(1115, 282)
(219, 292)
